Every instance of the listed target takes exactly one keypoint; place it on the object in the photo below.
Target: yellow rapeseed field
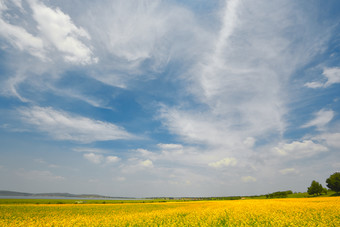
(274, 212)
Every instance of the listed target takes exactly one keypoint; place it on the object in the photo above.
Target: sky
(148, 98)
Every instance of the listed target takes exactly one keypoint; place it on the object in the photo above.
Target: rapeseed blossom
(274, 212)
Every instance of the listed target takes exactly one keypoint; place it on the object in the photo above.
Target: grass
(99, 201)
(306, 195)
(77, 201)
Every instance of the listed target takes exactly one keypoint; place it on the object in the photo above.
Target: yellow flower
(275, 212)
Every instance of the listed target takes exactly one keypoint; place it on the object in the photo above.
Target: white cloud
(138, 30)
(2, 6)
(121, 179)
(177, 155)
(322, 118)
(40, 160)
(249, 142)
(58, 29)
(18, 3)
(133, 35)
(136, 164)
(144, 152)
(229, 20)
(74, 94)
(248, 179)
(224, 163)
(64, 126)
(99, 158)
(94, 158)
(196, 128)
(170, 146)
(89, 150)
(314, 84)
(336, 165)
(241, 83)
(93, 181)
(39, 175)
(332, 75)
(171, 149)
(146, 163)
(140, 38)
(288, 171)
(22, 39)
(112, 159)
(331, 139)
(298, 149)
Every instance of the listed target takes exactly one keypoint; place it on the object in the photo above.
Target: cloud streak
(20, 38)
(240, 87)
(61, 125)
(58, 30)
(332, 75)
(322, 118)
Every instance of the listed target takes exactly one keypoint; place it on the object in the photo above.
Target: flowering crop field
(273, 212)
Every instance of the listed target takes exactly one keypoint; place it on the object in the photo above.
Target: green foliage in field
(89, 201)
(315, 188)
(333, 182)
(283, 194)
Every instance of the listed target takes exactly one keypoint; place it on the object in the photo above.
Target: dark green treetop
(315, 188)
(333, 182)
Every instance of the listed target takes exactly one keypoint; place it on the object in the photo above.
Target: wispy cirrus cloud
(322, 118)
(22, 40)
(332, 75)
(241, 85)
(19, 37)
(61, 125)
(141, 38)
(55, 41)
(56, 32)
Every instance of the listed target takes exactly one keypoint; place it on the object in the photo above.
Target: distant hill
(13, 193)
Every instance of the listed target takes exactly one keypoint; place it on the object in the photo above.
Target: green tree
(333, 182)
(325, 191)
(315, 188)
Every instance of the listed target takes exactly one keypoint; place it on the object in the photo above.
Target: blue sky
(168, 98)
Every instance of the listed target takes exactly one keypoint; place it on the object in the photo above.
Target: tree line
(283, 194)
(333, 183)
